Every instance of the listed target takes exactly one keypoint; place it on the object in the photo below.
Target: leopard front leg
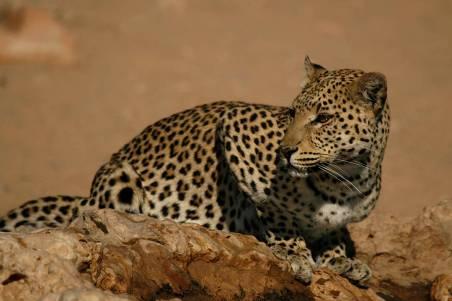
(331, 252)
(295, 251)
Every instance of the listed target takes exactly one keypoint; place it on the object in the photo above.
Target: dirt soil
(141, 60)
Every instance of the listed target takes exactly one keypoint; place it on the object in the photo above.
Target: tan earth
(141, 60)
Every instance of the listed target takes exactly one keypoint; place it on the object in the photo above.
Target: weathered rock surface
(33, 35)
(138, 258)
(79, 294)
(406, 255)
(407, 251)
(442, 288)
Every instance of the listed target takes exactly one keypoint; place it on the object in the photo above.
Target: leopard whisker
(357, 163)
(337, 167)
(353, 162)
(338, 174)
(328, 171)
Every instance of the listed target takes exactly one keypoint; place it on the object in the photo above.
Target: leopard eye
(323, 118)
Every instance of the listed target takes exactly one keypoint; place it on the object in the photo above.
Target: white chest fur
(332, 216)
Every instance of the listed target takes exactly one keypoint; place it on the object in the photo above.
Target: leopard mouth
(302, 171)
(299, 171)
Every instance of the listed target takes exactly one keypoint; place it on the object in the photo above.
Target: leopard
(292, 176)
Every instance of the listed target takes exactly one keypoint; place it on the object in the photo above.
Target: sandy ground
(142, 60)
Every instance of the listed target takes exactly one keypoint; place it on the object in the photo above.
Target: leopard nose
(287, 151)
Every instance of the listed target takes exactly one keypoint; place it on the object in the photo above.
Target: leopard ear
(312, 70)
(372, 89)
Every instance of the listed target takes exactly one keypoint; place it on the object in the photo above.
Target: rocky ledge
(106, 255)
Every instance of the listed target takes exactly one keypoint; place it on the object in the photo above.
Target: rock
(410, 251)
(327, 286)
(32, 35)
(79, 294)
(442, 288)
(38, 264)
(134, 257)
(406, 255)
(175, 256)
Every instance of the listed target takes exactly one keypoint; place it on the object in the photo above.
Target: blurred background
(78, 79)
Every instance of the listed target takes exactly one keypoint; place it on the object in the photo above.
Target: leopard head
(340, 116)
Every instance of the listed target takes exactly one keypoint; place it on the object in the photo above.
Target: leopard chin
(298, 172)
(302, 172)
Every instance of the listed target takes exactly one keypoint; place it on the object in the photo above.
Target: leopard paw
(301, 265)
(359, 272)
(353, 269)
(301, 268)
(339, 264)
